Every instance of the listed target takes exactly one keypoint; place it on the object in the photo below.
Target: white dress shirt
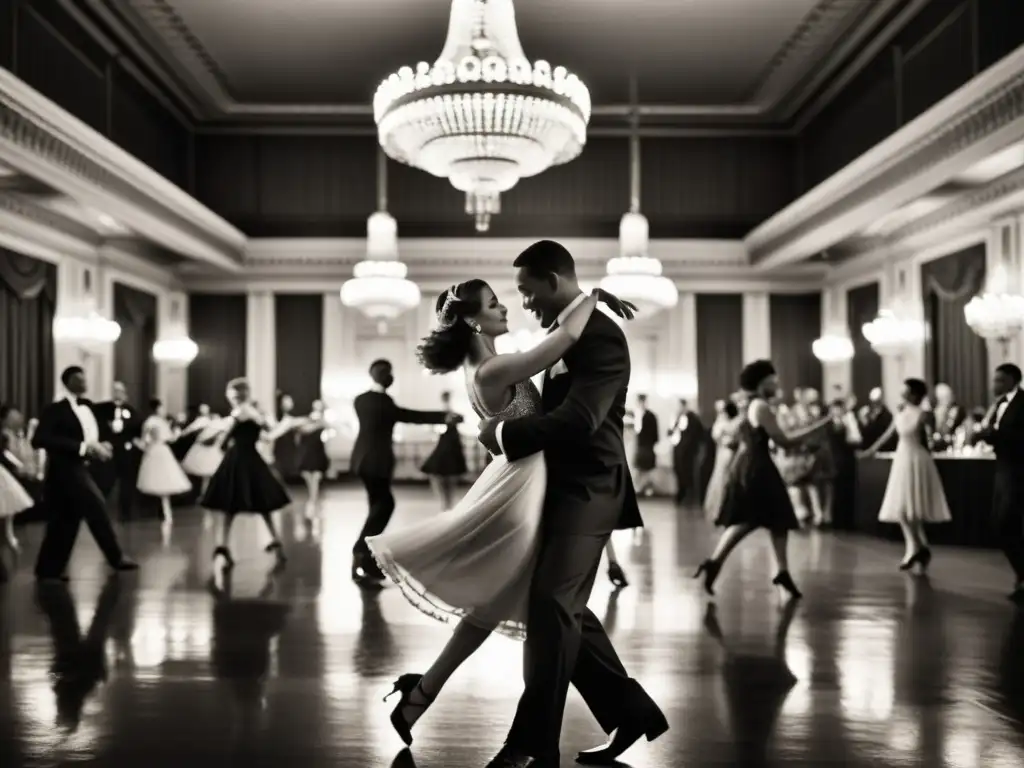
(558, 321)
(1008, 397)
(87, 419)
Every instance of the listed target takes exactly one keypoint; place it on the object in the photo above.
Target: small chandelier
(482, 116)
(177, 351)
(88, 330)
(379, 287)
(633, 275)
(833, 348)
(996, 315)
(891, 335)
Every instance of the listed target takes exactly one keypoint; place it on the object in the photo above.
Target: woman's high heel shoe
(406, 685)
(616, 576)
(922, 557)
(784, 581)
(229, 561)
(277, 549)
(709, 570)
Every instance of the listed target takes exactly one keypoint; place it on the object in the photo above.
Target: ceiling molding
(814, 51)
(304, 264)
(650, 132)
(979, 119)
(42, 141)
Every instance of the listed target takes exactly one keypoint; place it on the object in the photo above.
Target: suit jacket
(690, 439)
(647, 437)
(60, 434)
(131, 428)
(373, 454)
(590, 489)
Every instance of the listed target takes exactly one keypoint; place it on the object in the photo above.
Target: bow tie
(1002, 400)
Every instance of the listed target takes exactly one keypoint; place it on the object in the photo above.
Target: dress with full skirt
(206, 453)
(477, 560)
(313, 452)
(914, 490)
(719, 474)
(447, 459)
(159, 472)
(13, 496)
(244, 483)
(754, 492)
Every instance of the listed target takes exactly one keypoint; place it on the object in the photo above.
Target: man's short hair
(1011, 370)
(70, 372)
(545, 258)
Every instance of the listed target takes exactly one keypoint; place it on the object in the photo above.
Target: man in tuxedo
(645, 424)
(70, 435)
(590, 493)
(121, 426)
(687, 436)
(1003, 429)
(373, 460)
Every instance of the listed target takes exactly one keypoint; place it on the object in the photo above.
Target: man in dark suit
(1003, 429)
(373, 460)
(121, 426)
(590, 494)
(70, 435)
(645, 424)
(688, 438)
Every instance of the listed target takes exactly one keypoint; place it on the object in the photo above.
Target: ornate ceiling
(710, 61)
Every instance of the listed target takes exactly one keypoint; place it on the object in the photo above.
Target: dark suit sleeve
(600, 369)
(47, 439)
(407, 416)
(1009, 438)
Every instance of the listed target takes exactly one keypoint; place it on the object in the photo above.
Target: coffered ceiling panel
(268, 58)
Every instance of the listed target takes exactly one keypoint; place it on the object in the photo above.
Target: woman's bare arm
(503, 371)
(782, 437)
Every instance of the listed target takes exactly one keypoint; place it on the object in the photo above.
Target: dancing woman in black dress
(755, 495)
(447, 462)
(243, 483)
(313, 462)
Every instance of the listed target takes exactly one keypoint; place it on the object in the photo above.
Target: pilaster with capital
(172, 322)
(260, 355)
(837, 377)
(757, 326)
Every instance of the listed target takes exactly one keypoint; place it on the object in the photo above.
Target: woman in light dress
(160, 474)
(14, 499)
(475, 563)
(723, 435)
(206, 452)
(913, 494)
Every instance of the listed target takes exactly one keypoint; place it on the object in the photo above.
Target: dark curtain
(136, 312)
(862, 304)
(954, 354)
(719, 349)
(795, 324)
(217, 324)
(28, 300)
(298, 328)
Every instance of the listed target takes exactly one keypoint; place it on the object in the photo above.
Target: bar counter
(967, 481)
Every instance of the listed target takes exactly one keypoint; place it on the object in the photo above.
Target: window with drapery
(28, 300)
(954, 354)
(136, 312)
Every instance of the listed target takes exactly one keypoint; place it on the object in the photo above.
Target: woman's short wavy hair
(444, 350)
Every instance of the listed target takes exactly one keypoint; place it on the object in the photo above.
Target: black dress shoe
(623, 738)
(512, 760)
(126, 565)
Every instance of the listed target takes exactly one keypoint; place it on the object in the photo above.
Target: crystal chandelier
(483, 116)
(833, 348)
(996, 316)
(175, 351)
(88, 330)
(891, 335)
(379, 287)
(633, 275)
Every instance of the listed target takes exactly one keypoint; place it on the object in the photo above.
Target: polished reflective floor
(159, 668)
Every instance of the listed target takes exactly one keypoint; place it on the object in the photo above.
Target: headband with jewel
(444, 318)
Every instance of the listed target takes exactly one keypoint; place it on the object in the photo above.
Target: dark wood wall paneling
(322, 186)
(862, 305)
(47, 49)
(945, 46)
(795, 320)
(217, 323)
(298, 332)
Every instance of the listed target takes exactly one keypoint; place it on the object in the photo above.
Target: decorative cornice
(980, 118)
(44, 142)
(301, 265)
(790, 76)
(25, 208)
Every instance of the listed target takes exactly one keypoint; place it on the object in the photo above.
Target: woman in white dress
(160, 474)
(14, 499)
(723, 435)
(206, 453)
(913, 494)
(475, 563)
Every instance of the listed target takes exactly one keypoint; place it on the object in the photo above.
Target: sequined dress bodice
(525, 402)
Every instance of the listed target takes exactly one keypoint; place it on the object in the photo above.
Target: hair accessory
(445, 319)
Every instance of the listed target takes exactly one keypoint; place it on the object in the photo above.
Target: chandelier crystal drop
(88, 330)
(379, 287)
(891, 335)
(635, 276)
(996, 316)
(175, 351)
(833, 348)
(482, 116)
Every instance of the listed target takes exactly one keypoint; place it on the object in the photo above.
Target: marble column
(260, 345)
(837, 378)
(172, 322)
(675, 376)
(900, 288)
(80, 292)
(757, 326)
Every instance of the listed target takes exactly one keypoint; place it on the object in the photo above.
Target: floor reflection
(181, 662)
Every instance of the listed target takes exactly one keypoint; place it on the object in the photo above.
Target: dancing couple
(519, 554)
